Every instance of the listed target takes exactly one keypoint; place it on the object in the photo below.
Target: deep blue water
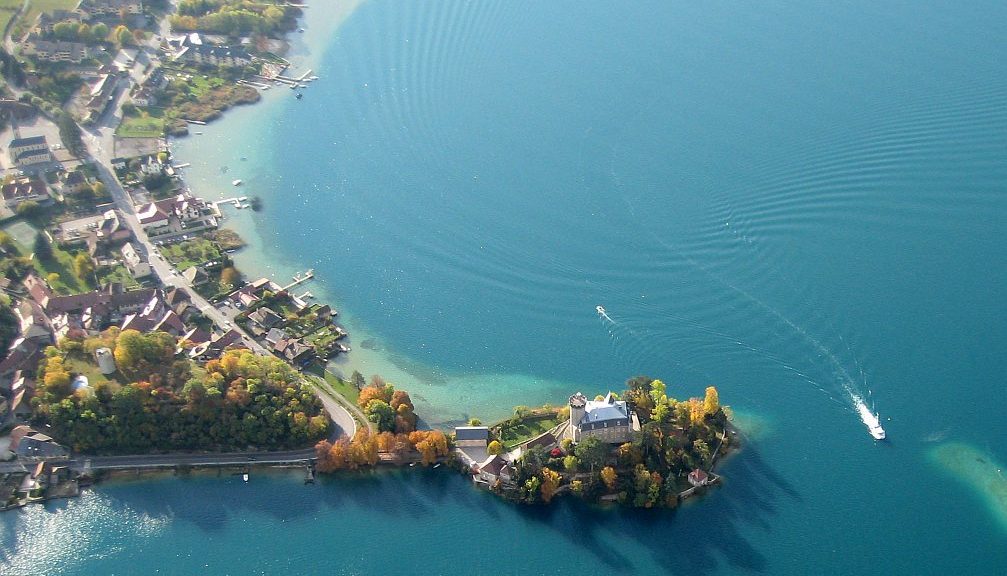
(790, 201)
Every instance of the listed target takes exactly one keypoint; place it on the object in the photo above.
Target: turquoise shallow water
(791, 202)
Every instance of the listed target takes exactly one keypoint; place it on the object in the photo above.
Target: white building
(137, 266)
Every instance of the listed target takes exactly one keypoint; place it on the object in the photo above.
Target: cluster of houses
(46, 318)
(287, 338)
(42, 44)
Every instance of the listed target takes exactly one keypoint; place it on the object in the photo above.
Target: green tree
(122, 35)
(592, 452)
(98, 188)
(379, 412)
(65, 30)
(570, 463)
(99, 32)
(28, 209)
(702, 450)
(69, 133)
(475, 422)
(42, 248)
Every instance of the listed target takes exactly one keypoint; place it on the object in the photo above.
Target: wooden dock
(301, 278)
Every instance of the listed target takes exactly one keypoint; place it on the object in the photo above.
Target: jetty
(300, 278)
(237, 202)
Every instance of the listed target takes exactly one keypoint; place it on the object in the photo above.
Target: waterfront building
(609, 420)
(135, 264)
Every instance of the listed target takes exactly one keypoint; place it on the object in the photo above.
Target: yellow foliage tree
(494, 448)
(712, 401)
(609, 477)
(550, 483)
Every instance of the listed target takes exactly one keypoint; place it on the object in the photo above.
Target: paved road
(154, 461)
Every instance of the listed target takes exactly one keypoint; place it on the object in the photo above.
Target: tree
(162, 157)
(358, 380)
(379, 412)
(577, 487)
(381, 392)
(43, 250)
(122, 35)
(702, 450)
(28, 209)
(609, 476)
(83, 266)
(475, 422)
(230, 276)
(99, 32)
(52, 277)
(139, 356)
(98, 187)
(65, 30)
(592, 452)
(494, 448)
(550, 483)
(69, 133)
(712, 401)
(570, 463)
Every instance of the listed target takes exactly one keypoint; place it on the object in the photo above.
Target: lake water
(795, 203)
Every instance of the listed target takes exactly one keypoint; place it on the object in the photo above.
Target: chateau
(609, 420)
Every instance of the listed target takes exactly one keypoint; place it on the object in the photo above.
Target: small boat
(411, 464)
(199, 133)
(437, 465)
(299, 95)
(236, 183)
(245, 476)
(600, 309)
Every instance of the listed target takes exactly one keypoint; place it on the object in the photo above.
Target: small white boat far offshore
(600, 309)
(870, 419)
(245, 476)
(236, 183)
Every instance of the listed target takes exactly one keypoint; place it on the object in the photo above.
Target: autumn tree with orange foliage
(550, 483)
(431, 444)
(609, 477)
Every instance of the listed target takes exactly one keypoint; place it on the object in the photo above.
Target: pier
(237, 202)
(299, 278)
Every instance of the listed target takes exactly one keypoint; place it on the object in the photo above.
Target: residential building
(24, 189)
(135, 263)
(34, 325)
(195, 275)
(48, 20)
(29, 443)
(58, 51)
(74, 182)
(179, 214)
(28, 151)
(89, 9)
(608, 419)
(228, 56)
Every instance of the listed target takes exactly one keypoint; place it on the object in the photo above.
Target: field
(37, 7)
(191, 253)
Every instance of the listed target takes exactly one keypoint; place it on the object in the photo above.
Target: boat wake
(868, 417)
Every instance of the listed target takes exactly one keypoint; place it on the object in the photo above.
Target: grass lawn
(62, 264)
(513, 434)
(76, 364)
(37, 7)
(148, 124)
(347, 390)
(193, 252)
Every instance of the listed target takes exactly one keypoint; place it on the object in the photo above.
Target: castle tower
(577, 403)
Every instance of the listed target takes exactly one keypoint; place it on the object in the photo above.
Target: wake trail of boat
(845, 380)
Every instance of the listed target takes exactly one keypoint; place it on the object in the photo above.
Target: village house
(24, 189)
(264, 319)
(28, 151)
(472, 436)
(34, 325)
(609, 420)
(251, 292)
(144, 96)
(28, 443)
(176, 215)
(195, 275)
(494, 469)
(22, 356)
(156, 316)
(215, 347)
(136, 265)
(96, 309)
(74, 182)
